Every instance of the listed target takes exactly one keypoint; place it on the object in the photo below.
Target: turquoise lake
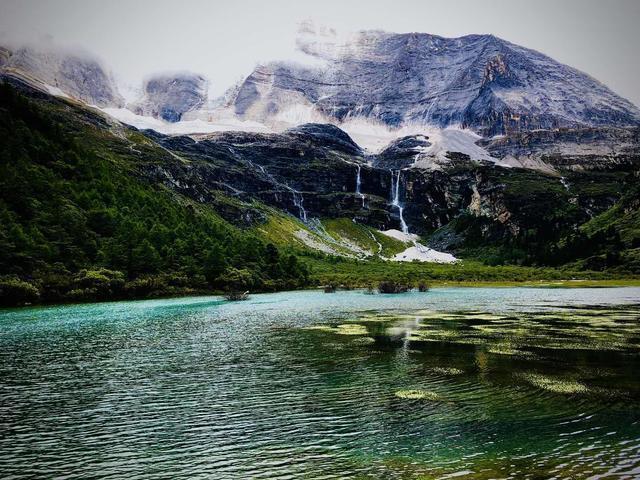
(453, 383)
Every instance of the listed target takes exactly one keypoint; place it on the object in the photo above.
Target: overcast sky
(225, 39)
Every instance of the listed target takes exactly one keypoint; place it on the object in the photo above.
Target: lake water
(468, 382)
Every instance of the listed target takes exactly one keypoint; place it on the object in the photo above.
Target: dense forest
(76, 224)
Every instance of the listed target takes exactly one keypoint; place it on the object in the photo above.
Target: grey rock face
(170, 96)
(567, 142)
(401, 153)
(315, 166)
(77, 75)
(476, 81)
(330, 135)
(307, 164)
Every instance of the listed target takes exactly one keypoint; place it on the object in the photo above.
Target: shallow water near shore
(464, 382)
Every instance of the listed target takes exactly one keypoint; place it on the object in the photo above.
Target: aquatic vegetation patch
(449, 371)
(432, 315)
(484, 316)
(364, 341)
(436, 336)
(586, 345)
(320, 328)
(351, 329)
(508, 349)
(342, 329)
(417, 395)
(553, 384)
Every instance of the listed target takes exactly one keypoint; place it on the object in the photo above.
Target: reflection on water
(480, 383)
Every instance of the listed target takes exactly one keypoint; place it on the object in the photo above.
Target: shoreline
(633, 282)
(551, 284)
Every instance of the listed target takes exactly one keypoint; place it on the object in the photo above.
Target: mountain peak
(77, 74)
(170, 95)
(480, 82)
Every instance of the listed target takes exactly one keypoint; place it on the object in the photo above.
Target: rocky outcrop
(567, 148)
(309, 172)
(328, 136)
(170, 96)
(402, 152)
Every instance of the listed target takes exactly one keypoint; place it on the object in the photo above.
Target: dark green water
(471, 383)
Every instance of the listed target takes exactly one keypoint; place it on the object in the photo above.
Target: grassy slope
(624, 216)
(360, 273)
(352, 272)
(366, 237)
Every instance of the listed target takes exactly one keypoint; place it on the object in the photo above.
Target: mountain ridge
(390, 71)
(464, 94)
(476, 81)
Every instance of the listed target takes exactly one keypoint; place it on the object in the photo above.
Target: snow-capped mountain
(169, 96)
(477, 95)
(74, 74)
(479, 82)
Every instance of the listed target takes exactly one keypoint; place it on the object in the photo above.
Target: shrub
(145, 287)
(15, 292)
(389, 286)
(81, 294)
(236, 296)
(104, 283)
(235, 280)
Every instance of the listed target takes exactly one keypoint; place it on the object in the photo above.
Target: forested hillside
(77, 223)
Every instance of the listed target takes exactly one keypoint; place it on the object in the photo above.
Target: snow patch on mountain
(369, 135)
(417, 251)
(422, 253)
(401, 236)
(452, 139)
(55, 91)
(185, 127)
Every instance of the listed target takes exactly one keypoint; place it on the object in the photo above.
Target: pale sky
(224, 40)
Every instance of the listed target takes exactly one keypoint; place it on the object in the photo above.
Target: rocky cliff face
(583, 148)
(316, 171)
(310, 171)
(77, 75)
(477, 81)
(170, 96)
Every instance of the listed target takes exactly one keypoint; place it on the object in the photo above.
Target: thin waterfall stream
(395, 189)
(358, 185)
(298, 200)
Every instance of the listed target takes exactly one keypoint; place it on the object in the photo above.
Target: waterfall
(298, 202)
(358, 183)
(395, 195)
(396, 189)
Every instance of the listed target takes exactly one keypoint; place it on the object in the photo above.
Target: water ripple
(200, 388)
